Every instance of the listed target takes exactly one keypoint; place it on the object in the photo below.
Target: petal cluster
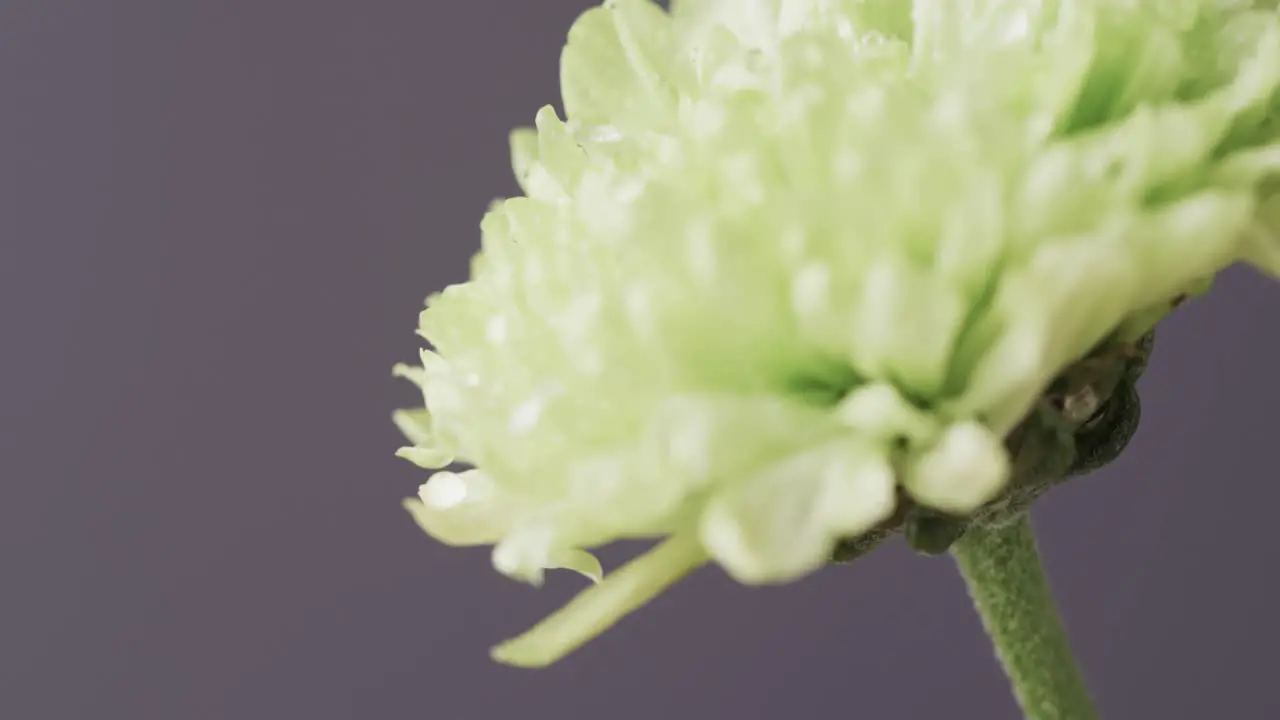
(782, 262)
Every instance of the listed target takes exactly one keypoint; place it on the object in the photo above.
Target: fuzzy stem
(1001, 567)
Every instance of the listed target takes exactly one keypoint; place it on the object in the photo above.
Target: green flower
(789, 264)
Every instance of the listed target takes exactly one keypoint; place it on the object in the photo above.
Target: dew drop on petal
(526, 415)
(844, 28)
(602, 134)
(1015, 27)
(496, 329)
(444, 490)
(809, 289)
(688, 446)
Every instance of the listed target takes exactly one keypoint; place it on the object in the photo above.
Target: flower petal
(535, 546)
(965, 469)
(466, 508)
(415, 375)
(609, 67)
(425, 457)
(907, 325)
(414, 424)
(579, 561)
(1263, 244)
(784, 522)
(879, 411)
(597, 608)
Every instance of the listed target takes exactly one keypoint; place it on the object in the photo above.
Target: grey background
(217, 223)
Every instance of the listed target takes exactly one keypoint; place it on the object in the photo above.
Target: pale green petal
(1012, 369)
(595, 77)
(1066, 302)
(466, 508)
(753, 22)
(1264, 239)
(523, 143)
(687, 444)
(426, 458)
(599, 607)
(907, 325)
(1245, 169)
(547, 160)
(712, 438)
(1077, 291)
(965, 469)
(527, 550)
(784, 522)
(414, 424)
(415, 375)
(579, 561)
(879, 411)
(609, 70)
(644, 33)
(418, 428)
(531, 548)
(429, 450)
(891, 18)
(1182, 242)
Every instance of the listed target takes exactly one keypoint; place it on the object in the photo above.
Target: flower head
(787, 264)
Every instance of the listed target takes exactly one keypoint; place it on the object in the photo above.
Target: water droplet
(526, 415)
(844, 28)
(688, 446)
(809, 289)
(1015, 27)
(602, 133)
(496, 329)
(444, 490)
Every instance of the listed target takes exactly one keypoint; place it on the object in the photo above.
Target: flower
(787, 262)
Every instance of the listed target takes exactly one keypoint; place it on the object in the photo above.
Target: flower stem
(1001, 567)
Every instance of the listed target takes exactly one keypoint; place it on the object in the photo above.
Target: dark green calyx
(932, 533)
(1084, 421)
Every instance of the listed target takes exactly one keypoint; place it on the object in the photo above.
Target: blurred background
(218, 222)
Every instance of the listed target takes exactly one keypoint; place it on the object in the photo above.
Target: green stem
(1001, 567)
